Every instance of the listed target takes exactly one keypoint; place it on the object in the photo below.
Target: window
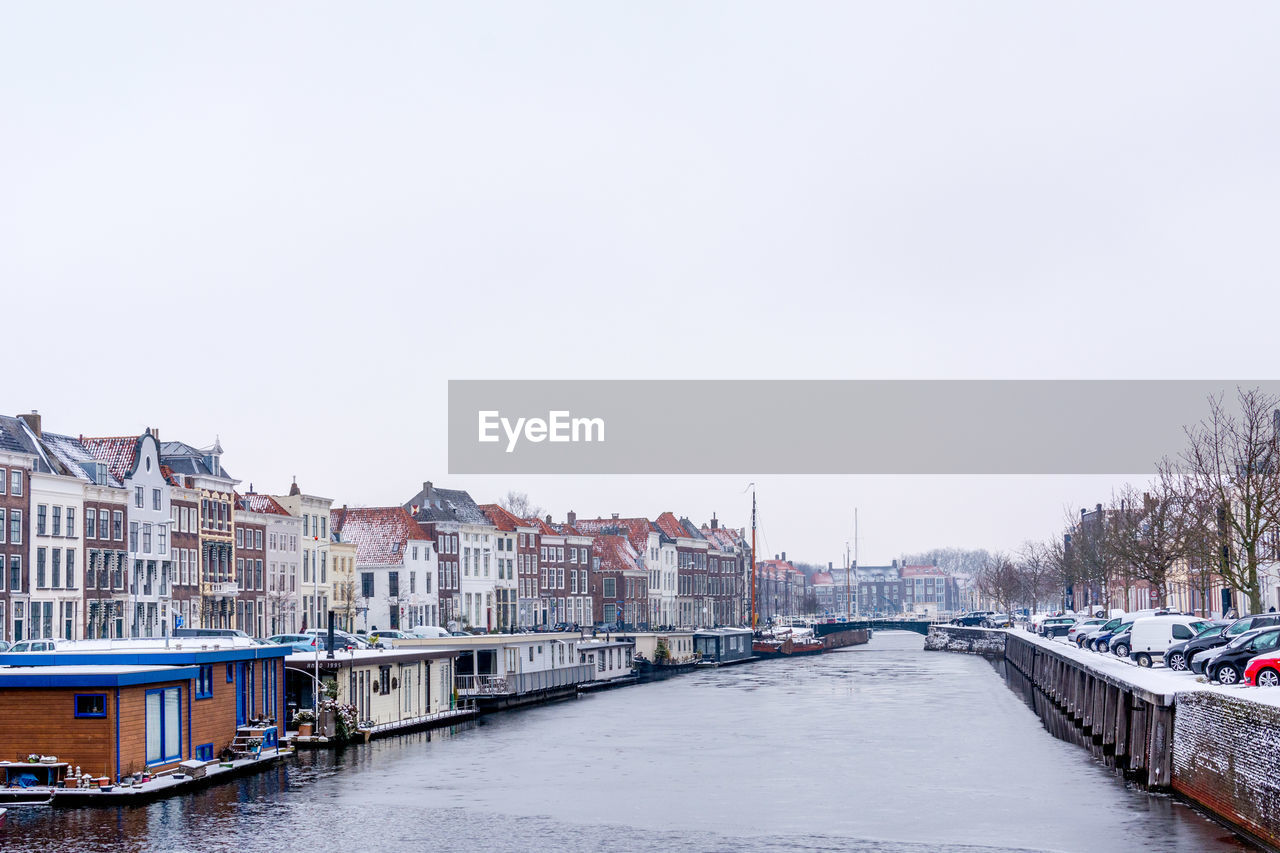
(15, 526)
(366, 584)
(393, 584)
(257, 540)
(204, 752)
(164, 725)
(15, 482)
(163, 533)
(133, 536)
(117, 525)
(71, 569)
(239, 537)
(71, 521)
(146, 537)
(610, 588)
(91, 704)
(41, 557)
(138, 493)
(155, 497)
(231, 673)
(42, 513)
(90, 524)
(204, 683)
(4, 480)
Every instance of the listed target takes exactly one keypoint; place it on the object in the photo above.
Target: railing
(524, 682)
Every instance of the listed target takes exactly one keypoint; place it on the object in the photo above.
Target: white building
(395, 570)
(315, 590)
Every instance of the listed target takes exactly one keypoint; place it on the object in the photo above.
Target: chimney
(615, 516)
(714, 523)
(426, 490)
(1099, 507)
(548, 518)
(784, 556)
(154, 433)
(572, 518)
(33, 422)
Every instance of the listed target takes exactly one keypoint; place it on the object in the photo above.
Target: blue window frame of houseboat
(91, 705)
(204, 752)
(204, 684)
(231, 673)
(164, 725)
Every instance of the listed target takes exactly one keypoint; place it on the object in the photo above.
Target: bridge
(920, 626)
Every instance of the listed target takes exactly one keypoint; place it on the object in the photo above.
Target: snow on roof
(120, 453)
(616, 554)
(379, 533)
(500, 518)
(254, 502)
(635, 529)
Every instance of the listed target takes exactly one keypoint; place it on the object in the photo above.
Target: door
(241, 709)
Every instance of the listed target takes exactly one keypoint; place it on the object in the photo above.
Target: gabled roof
(185, 460)
(17, 438)
(379, 533)
(616, 554)
(502, 519)
(635, 529)
(670, 525)
(436, 504)
(254, 502)
(73, 454)
(822, 579)
(120, 452)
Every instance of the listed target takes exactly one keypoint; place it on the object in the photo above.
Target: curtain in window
(153, 727)
(172, 724)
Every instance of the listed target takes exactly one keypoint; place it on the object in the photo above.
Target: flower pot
(304, 729)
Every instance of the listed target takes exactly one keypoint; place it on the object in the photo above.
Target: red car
(1263, 671)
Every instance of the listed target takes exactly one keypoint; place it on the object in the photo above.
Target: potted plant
(304, 721)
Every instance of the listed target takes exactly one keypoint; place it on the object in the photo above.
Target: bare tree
(519, 505)
(1001, 581)
(1153, 531)
(1232, 466)
(1041, 583)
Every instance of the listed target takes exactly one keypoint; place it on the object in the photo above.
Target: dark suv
(1213, 640)
(1226, 664)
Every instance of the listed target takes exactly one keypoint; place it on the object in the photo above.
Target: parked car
(4, 646)
(1232, 630)
(1263, 671)
(341, 638)
(51, 645)
(385, 639)
(1118, 644)
(1151, 636)
(428, 631)
(998, 620)
(1056, 626)
(1227, 664)
(289, 639)
(1178, 656)
(1075, 631)
(1102, 642)
(973, 618)
(1085, 638)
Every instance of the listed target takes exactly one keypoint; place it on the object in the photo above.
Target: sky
(288, 225)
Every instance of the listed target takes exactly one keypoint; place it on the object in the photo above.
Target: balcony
(223, 589)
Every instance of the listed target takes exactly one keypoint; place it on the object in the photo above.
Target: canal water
(883, 747)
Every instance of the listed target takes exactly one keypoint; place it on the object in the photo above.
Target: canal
(883, 747)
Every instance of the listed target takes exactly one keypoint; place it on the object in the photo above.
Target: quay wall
(1226, 757)
(1218, 751)
(974, 641)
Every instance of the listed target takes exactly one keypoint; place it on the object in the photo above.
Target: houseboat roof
(369, 657)
(92, 676)
(180, 651)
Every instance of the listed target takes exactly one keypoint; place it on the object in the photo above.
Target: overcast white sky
(290, 225)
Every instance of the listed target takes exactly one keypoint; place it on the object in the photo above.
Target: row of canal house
(114, 708)
(129, 536)
(132, 536)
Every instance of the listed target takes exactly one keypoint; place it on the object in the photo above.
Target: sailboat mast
(753, 559)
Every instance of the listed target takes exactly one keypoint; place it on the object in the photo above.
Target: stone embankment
(1216, 746)
(974, 641)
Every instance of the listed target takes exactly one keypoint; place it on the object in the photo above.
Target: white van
(428, 632)
(1153, 635)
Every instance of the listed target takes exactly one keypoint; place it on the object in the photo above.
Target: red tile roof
(635, 529)
(823, 578)
(119, 452)
(616, 554)
(670, 525)
(254, 502)
(502, 519)
(379, 533)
